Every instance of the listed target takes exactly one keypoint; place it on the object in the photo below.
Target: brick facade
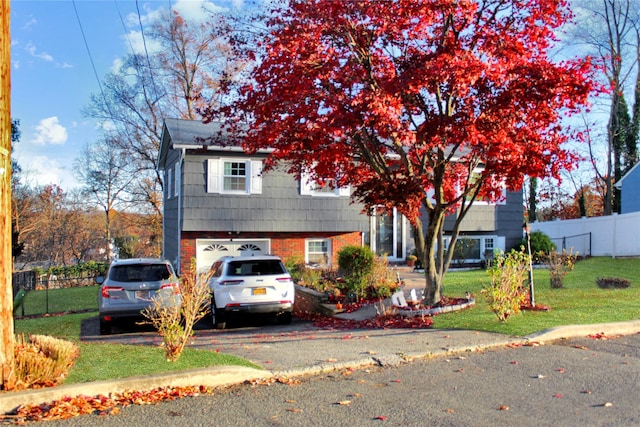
(284, 245)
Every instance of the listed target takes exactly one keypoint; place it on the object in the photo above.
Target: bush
(175, 324)
(507, 291)
(382, 281)
(612, 283)
(356, 264)
(560, 264)
(541, 245)
(41, 361)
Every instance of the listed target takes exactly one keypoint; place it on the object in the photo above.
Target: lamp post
(532, 299)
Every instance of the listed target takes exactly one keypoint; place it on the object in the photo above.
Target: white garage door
(209, 250)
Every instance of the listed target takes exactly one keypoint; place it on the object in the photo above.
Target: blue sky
(52, 76)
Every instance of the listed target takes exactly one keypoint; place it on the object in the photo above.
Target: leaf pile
(394, 321)
(69, 407)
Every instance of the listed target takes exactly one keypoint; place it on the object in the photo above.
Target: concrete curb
(575, 331)
(217, 376)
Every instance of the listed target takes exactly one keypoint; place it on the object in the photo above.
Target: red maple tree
(424, 106)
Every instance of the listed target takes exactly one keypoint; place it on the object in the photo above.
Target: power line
(84, 38)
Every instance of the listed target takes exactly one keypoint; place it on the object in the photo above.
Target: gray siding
(503, 220)
(170, 221)
(510, 218)
(279, 208)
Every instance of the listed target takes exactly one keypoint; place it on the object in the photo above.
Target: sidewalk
(302, 349)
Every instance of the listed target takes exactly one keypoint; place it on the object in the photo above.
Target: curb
(217, 376)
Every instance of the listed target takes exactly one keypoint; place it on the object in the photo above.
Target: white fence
(614, 235)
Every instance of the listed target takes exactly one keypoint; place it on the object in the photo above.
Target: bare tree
(612, 34)
(105, 172)
(173, 81)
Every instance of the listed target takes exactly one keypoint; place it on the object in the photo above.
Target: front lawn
(580, 301)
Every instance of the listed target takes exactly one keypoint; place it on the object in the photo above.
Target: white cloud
(49, 131)
(30, 23)
(40, 55)
(41, 170)
(196, 10)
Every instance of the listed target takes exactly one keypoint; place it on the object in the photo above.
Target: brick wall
(285, 245)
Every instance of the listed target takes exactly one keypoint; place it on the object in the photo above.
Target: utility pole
(6, 292)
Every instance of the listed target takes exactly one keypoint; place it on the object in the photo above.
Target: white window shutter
(213, 175)
(255, 184)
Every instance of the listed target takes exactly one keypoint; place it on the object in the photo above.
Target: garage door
(208, 250)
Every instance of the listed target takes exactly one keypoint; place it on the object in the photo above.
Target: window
(169, 182)
(318, 252)
(234, 176)
(488, 244)
(176, 183)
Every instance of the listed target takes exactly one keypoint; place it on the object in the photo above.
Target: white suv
(250, 284)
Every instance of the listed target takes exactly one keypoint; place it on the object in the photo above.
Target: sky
(60, 49)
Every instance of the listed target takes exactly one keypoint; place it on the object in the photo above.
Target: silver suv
(131, 285)
(250, 284)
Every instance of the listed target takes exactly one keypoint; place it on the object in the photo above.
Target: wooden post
(6, 293)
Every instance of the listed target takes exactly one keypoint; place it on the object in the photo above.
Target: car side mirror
(100, 280)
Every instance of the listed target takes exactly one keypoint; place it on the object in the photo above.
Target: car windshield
(255, 268)
(139, 273)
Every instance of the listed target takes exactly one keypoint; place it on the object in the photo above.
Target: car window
(139, 273)
(255, 268)
(216, 268)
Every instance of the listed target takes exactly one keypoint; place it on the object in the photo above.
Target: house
(217, 202)
(629, 186)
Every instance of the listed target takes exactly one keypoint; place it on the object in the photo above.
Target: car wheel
(217, 317)
(284, 318)
(105, 327)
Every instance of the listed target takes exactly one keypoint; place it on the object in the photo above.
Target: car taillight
(173, 287)
(283, 279)
(232, 282)
(107, 289)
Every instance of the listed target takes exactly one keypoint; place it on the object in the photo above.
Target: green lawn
(579, 302)
(100, 361)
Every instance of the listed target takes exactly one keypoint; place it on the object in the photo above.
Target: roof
(196, 135)
(618, 184)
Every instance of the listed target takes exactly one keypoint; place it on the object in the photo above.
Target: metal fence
(580, 243)
(36, 295)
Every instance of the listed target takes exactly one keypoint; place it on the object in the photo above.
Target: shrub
(356, 263)
(382, 281)
(612, 282)
(560, 264)
(175, 323)
(295, 266)
(507, 291)
(41, 361)
(541, 245)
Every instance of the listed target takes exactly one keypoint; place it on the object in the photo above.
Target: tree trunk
(6, 292)
(432, 260)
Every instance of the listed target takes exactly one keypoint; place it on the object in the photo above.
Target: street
(589, 382)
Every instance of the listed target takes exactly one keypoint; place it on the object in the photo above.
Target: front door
(388, 234)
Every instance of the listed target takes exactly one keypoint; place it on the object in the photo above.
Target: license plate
(143, 295)
(259, 291)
